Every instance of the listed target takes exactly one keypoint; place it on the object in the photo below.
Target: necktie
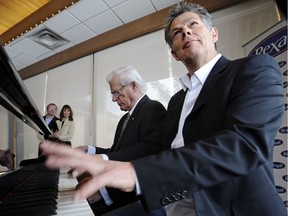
(124, 125)
(122, 129)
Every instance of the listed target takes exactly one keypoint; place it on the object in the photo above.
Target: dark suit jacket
(147, 115)
(226, 164)
(52, 124)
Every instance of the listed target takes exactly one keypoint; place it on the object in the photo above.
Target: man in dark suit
(142, 117)
(50, 120)
(221, 126)
(50, 117)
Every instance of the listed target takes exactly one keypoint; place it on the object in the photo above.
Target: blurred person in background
(65, 125)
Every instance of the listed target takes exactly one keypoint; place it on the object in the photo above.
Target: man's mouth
(187, 44)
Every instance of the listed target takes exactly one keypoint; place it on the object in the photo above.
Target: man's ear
(215, 34)
(175, 56)
(134, 85)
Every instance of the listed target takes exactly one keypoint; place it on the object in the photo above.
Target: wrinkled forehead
(115, 83)
(184, 19)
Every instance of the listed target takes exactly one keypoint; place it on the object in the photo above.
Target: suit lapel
(128, 125)
(139, 105)
(211, 81)
(118, 133)
(176, 109)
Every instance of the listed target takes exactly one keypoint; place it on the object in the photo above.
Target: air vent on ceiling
(48, 38)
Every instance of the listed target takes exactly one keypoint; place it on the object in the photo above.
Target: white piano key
(66, 206)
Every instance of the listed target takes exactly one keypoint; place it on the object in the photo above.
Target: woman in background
(66, 125)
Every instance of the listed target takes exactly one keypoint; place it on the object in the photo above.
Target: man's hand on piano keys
(103, 173)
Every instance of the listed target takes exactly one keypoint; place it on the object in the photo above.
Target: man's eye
(193, 23)
(176, 33)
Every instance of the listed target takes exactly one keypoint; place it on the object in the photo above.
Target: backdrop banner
(274, 42)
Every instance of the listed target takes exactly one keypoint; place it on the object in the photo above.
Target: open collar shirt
(193, 86)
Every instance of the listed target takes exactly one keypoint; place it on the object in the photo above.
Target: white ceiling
(80, 22)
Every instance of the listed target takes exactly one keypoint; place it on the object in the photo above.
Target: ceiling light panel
(48, 39)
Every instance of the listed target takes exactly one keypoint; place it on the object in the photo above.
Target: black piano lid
(15, 97)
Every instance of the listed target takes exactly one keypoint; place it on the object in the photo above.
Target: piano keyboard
(35, 190)
(30, 190)
(66, 207)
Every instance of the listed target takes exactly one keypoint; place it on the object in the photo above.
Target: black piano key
(31, 190)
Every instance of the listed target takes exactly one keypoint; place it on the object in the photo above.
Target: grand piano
(32, 189)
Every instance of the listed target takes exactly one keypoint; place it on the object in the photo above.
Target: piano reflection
(31, 189)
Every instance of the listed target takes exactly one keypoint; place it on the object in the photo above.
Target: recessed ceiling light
(48, 38)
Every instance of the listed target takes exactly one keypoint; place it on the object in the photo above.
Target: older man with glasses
(142, 117)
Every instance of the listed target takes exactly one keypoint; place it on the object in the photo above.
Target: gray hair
(127, 75)
(181, 8)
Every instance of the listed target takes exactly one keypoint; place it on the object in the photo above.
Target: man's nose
(186, 31)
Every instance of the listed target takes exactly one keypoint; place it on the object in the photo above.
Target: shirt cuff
(138, 189)
(105, 157)
(103, 191)
(106, 196)
(91, 150)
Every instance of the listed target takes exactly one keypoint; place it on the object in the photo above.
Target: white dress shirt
(193, 87)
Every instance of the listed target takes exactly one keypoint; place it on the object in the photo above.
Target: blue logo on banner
(280, 189)
(285, 178)
(284, 153)
(278, 165)
(278, 142)
(283, 130)
(282, 63)
(273, 45)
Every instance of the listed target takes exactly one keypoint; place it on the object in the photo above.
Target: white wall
(240, 24)
(68, 84)
(82, 83)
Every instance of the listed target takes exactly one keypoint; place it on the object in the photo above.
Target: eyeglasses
(52, 108)
(117, 92)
